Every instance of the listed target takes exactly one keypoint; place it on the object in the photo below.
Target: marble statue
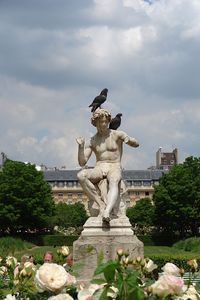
(103, 182)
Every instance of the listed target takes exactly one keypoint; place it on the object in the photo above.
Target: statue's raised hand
(80, 141)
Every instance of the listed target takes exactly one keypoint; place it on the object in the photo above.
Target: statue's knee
(82, 175)
(114, 182)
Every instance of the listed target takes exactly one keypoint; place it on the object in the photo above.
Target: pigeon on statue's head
(99, 100)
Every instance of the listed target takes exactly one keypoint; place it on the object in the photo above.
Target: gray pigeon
(98, 100)
(115, 122)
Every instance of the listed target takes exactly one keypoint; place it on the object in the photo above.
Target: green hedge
(146, 239)
(179, 260)
(58, 240)
(9, 245)
(190, 244)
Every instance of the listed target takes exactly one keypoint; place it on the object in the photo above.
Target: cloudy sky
(56, 56)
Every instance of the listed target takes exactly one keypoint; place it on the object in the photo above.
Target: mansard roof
(71, 175)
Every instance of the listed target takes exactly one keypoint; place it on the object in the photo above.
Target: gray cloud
(56, 56)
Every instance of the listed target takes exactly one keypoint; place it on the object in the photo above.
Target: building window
(147, 183)
(60, 195)
(129, 183)
(69, 195)
(137, 183)
(80, 195)
(146, 193)
(60, 184)
(137, 193)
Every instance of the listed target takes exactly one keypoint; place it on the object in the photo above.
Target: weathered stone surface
(95, 241)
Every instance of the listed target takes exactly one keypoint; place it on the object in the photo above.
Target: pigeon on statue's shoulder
(115, 122)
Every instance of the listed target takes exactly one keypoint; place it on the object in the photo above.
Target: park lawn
(164, 251)
(156, 250)
(149, 251)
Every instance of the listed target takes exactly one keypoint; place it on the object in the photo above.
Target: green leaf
(102, 267)
(98, 281)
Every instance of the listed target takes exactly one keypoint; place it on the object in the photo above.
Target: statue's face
(102, 124)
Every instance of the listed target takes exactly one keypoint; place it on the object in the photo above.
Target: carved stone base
(95, 241)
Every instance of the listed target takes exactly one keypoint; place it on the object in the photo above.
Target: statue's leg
(114, 178)
(87, 179)
(115, 209)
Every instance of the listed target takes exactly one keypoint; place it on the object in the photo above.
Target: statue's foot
(106, 221)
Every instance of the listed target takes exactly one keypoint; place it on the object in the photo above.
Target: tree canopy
(70, 215)
(141, 215)
(26, 200)
(177, 199)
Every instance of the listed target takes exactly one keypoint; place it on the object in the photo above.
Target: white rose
(87, 293)
(52, 277)
(10, 297)
(11, 261)
(149, 265)
(113, 292)
(64, 251)
(171, 269)
(191, 293)
(61, 297)
(3, 270)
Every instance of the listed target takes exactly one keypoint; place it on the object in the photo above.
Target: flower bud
(193, 264)
(120, 252)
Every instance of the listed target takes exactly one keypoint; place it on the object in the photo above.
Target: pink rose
(168, 285)
(176, 283)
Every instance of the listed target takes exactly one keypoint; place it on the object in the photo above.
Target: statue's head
(99, 114)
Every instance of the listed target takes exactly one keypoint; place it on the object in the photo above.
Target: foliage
(9, 245)
(141, 215)
(128, 279)
(177, 199)
(26, 201)
(24, 284)
(192, 244)
(70, 215)
(59, 240)
(146, 239)
(123, 278)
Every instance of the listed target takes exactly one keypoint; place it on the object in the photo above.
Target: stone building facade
(66, 188)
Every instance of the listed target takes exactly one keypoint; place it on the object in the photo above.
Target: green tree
(177, 199)
(141, 215)
(70, 215)
(26, 200)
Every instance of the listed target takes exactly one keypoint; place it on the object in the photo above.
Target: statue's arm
(84, 151)
(128, 140)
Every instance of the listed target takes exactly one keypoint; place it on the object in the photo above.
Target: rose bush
(124, 278)
(61, 297)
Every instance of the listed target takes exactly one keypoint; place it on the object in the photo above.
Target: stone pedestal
(96, 240)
